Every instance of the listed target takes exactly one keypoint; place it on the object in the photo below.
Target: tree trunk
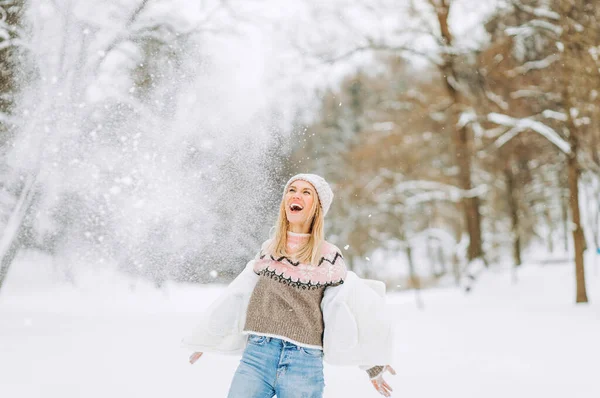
(7, 260)
(514, 217)
(414, 279)
(564, 205)
(441, 260)
(470, 204)
(431, 257)
(549, 237)
(461, 139)
(573, 23)
(578, 238)
(10, 242)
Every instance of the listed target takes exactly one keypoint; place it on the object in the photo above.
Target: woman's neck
(299, 228)
(295, 241)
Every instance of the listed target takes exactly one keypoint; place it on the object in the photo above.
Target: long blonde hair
(310, 252)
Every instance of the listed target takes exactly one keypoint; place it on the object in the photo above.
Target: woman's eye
(308, 192)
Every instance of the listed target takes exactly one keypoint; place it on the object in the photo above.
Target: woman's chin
(296, 219)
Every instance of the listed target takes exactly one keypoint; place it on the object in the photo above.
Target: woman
(296, 309)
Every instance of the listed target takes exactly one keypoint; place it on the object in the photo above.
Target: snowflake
(306, 271)
(330, 269)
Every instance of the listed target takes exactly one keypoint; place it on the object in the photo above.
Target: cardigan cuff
(374, 372)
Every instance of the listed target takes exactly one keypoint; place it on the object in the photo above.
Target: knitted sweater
(286, 301)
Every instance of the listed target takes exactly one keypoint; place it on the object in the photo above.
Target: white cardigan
(358, 326)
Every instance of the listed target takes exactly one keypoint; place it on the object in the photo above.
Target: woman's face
(299, 200)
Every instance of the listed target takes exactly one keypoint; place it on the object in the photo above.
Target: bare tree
(429, 22)
(580, 22)
(12, 207)
(462, 100)
(565, 110)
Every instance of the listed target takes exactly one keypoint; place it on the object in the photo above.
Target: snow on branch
(520, 125)
(15, 219)
(534, 93)
(594, 52)
(469, 117)
(533, 65)
(384, 126)
(538, 12)
(507, 136)
(550, 114)
(378, 47)
(465, 118)
(532, 27)
(420, 191)
(544, 25)
(496, 99)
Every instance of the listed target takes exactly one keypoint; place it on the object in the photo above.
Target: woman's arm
(217, 329)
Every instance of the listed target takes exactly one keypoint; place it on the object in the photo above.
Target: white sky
(265, 65)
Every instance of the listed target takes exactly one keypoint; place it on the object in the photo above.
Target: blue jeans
(272, 366)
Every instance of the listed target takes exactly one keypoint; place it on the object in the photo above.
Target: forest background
(153, 137)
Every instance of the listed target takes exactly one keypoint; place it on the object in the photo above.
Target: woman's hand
(381, 385)
(196, 355)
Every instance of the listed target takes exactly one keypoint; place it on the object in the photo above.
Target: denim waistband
(281, 342)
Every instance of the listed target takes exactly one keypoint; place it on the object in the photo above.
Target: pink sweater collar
(296, 240)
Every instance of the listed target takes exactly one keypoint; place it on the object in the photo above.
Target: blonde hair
(310, 252)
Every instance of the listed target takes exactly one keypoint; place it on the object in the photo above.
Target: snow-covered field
(103, 340)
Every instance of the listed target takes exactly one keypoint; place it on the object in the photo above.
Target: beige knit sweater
(286, 301)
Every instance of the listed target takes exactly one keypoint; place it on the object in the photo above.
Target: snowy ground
(502, 340)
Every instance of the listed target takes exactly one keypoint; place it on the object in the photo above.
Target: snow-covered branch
(534, 93)
(384, 126)
(455, 195)
(465, 118)
(537, 11)
(533, 65)
(496, 99)
(520, 125)
(550, 114)
(533, 27)
(419, 191)
(372, 46)
(16, 217)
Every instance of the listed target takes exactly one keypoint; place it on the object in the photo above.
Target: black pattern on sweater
(295, 264)
(297, 284)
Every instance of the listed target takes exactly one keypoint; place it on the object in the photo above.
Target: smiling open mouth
(295, 207)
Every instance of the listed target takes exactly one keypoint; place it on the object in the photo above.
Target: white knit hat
(323, 189)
